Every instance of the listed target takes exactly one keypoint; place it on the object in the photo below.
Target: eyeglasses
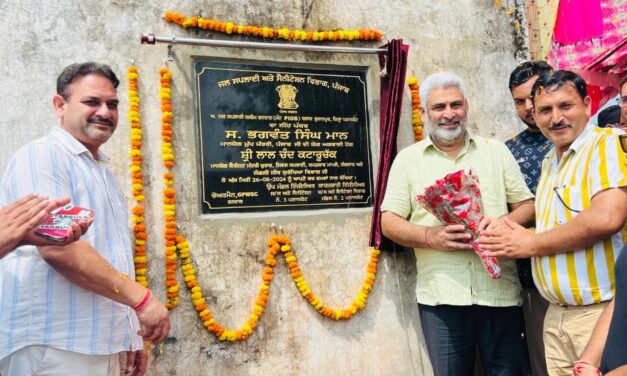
(562, 201)
(622, 101)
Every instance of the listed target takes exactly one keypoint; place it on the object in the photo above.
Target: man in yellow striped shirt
(581, 208)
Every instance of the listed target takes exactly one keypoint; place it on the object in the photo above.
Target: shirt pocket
(568, 202)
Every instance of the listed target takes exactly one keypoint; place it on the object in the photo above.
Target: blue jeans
(454, 334)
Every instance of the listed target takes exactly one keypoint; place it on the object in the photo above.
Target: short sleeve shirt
(593, 163)
(457, 277)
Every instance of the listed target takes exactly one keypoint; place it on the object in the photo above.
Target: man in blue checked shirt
(529, 148)
(72, 309)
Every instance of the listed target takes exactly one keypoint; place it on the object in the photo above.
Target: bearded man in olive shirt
(461, 307)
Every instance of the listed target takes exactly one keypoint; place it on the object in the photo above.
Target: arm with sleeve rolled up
(82, 265)
(407, 234)
(522, 213)
(520, 200)
(605, 216)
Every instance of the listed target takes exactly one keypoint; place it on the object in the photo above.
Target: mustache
(562, 123)
(99, 119)
(452, 121)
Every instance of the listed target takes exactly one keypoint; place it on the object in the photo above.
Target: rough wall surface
(470, 37)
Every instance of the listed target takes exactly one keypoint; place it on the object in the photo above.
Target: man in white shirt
(71, 310)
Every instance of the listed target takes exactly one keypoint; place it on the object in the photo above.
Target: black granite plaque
(281, 138)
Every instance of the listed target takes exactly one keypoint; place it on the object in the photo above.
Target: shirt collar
(575, 146)
(581, 139)
(73, 145)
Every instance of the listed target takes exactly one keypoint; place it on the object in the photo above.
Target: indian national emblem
(287, 97)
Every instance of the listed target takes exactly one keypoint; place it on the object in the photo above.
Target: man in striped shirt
(70, 310)
(581, 208)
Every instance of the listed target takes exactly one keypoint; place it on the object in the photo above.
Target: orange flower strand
(169, 199)
(276, 244)
(416, 120)
(270, 33)
(139, 229)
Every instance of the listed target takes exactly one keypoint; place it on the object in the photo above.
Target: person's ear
(58, 103)
(588, 103)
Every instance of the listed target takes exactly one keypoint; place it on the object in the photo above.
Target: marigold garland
(139, 228)
(416, 120)
(169, 200)
(276, 244)
(270, 33)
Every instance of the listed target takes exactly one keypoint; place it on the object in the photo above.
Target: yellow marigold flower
(247, 329)
(140, 242)
(174, 288)
(196, 295)
(412, 81)
(195, 289)
(187, 267)
(188, 278)
(140, 272)
(205, 313)
(140, 198)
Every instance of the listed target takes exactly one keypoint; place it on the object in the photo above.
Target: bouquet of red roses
(456, 199)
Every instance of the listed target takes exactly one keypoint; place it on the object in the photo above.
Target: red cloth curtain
(393, 65)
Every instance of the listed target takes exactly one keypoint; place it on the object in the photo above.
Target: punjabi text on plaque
(281, 138)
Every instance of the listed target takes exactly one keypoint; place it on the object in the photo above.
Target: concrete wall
(470, 37)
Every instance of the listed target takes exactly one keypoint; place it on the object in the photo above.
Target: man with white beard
(461, 308)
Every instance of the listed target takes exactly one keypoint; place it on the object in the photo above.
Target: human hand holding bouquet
(456, 199)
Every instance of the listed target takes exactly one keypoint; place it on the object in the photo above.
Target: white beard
(438, 133)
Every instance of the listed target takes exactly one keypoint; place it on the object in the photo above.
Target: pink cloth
(578, 21)
(580, 54)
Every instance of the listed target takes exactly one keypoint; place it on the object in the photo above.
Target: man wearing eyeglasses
(581, 208)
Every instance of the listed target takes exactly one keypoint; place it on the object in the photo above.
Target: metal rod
(153, 39)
